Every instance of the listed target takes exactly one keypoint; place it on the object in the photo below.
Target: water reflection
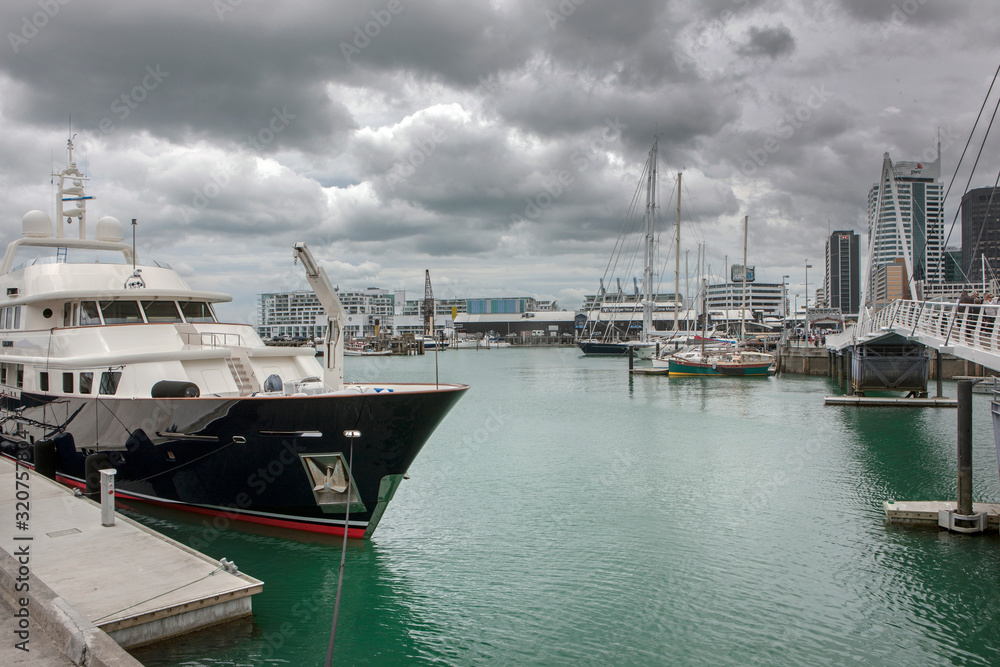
(292, 617)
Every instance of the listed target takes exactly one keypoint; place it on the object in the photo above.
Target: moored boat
(731, 362)
(122, 365)
(602, 348)
(608, 344)
(364, 349)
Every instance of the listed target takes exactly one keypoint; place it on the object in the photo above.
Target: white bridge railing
(969, 331)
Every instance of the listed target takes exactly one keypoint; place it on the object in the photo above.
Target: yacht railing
(212, 339)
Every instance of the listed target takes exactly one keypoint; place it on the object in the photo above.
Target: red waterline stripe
(352, 533)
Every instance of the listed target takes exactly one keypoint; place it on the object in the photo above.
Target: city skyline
(496, 144)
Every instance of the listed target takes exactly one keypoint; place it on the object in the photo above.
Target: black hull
(246, 459)
(594, 349)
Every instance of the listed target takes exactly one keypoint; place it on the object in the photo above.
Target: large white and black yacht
(120, 364)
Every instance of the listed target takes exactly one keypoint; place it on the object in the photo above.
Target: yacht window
(86, 383)
(68, 383)
(197, 311)
(89, 315)
(161, 311)
(17, 316)
(3, 373)
(20, 376)
(121, 312)
(43, 381)
(67, 311)
(5, 318)
(109, 382)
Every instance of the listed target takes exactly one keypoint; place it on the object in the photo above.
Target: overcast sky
(497, 143)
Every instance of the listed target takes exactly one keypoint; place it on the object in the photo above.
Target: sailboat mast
(743, 305)
(704, 315)
(677, 252)
(647, 307)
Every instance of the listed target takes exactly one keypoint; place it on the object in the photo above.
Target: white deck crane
(333, 341)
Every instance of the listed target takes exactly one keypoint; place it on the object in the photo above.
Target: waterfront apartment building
(905, 222)
(370, 311)
(842, 280)
(299, 314)
(981, 233)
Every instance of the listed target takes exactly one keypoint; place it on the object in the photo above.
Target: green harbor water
(565, 514)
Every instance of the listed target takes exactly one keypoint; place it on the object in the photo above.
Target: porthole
(47, 313)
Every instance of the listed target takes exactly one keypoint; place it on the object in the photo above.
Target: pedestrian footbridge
(967, 331)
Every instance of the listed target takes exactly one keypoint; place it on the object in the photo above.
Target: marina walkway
(971, 334)
(87, 579)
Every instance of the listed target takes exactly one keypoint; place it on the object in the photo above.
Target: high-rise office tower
(842, 283)
(905, 223)
(981, 233)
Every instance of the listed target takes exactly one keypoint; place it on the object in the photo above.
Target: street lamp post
(784, 306)
(808, 266)
(795, 311)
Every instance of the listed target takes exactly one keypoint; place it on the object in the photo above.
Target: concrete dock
(649, 370)
(89, 582)
(925, 512)
(891, 401)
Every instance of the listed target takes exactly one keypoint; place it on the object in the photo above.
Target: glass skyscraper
(906, 223)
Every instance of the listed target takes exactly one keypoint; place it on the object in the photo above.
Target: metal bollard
(108, 497)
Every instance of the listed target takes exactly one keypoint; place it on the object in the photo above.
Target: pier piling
(939, 371)
(965, 447)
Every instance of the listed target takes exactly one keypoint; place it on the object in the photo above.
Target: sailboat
(608, 344)
(728, 360)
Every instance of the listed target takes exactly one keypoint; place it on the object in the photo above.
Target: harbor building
(520, 316)
(409, 318)
(763, 299)
(543, 323)
(842, 280)
(623, 310)
(980, 233)
(905, 222)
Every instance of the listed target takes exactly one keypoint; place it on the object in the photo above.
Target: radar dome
(36, 224)
(109, 229)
